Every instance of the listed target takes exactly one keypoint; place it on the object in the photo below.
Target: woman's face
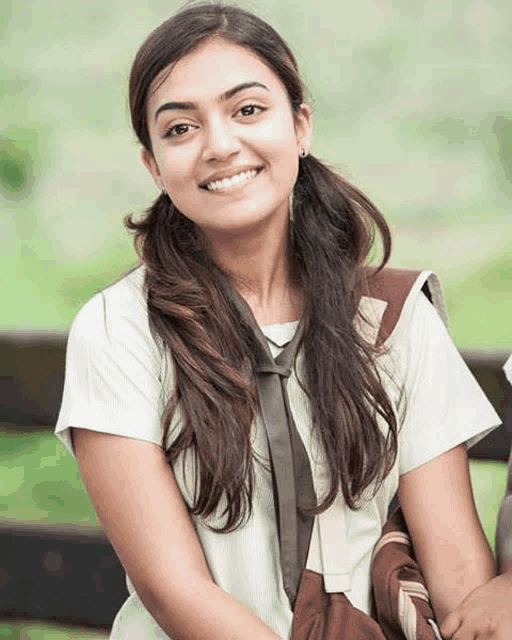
(225, 141)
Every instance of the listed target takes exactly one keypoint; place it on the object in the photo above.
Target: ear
(304, 128)
(149, 162)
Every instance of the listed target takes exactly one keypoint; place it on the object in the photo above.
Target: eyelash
(251, 106)
(169, 133)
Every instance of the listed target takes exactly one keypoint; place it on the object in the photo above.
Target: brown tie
(291, 471)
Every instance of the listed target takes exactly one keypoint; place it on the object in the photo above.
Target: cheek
(277, 145)
(280, 143)
(278, 134)
(175, 164)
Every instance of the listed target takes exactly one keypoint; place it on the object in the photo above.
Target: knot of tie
(273, 367)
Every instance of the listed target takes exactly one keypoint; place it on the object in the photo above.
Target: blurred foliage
(489, 480)
(18, 152)
(411, 102)
(481, 304)
(23, 630)
(40, 482)
(502, 128)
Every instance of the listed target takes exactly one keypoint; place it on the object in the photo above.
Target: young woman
(254, 238)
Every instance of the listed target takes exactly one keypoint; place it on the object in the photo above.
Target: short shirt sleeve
(443, 405)
(113, 368)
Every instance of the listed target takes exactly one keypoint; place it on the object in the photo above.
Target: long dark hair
(332, 234)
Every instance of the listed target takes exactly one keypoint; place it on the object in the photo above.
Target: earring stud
(303, 153)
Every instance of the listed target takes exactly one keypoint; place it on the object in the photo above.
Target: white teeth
(233, 180)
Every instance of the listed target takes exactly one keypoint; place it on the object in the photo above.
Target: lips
(221, 181)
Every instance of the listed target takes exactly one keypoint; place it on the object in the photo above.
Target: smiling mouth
(232, 181)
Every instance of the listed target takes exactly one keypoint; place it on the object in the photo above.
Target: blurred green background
(412, 102)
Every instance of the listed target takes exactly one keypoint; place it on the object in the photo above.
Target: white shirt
(118, 379)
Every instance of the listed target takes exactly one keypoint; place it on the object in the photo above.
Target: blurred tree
(18, 154)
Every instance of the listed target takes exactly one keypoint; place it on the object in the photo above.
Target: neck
(258, 264)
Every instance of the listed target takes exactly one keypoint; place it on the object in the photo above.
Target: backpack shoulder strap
(396, 287)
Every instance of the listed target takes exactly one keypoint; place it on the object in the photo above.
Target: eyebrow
(227, 95)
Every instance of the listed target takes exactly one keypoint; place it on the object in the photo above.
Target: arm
(488, 610)
(139, 504)
(450, 545)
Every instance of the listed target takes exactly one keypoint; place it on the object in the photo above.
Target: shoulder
(116, 319)
(392, 297)
(114, 367)
(126, 297)
(122, 303)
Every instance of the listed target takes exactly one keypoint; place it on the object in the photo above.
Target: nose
(221, 141)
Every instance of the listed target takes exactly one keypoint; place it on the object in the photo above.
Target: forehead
(210, 69)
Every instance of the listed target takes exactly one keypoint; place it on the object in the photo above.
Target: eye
(250, 110)
(179, 129)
